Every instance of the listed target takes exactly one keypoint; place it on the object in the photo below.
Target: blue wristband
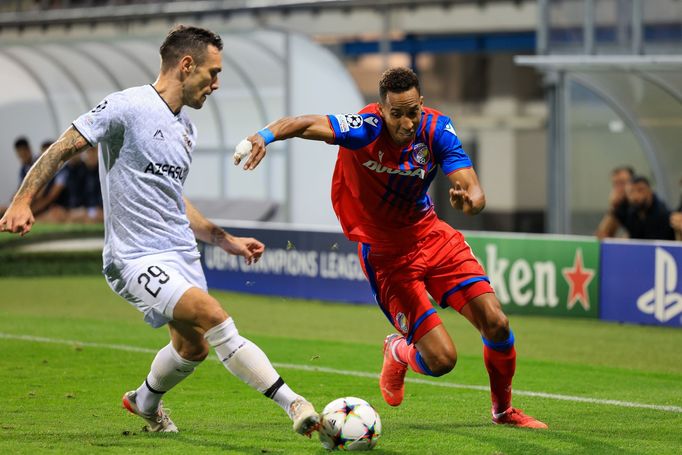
(267, 135)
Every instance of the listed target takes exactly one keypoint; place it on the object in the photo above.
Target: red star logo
(578, 280)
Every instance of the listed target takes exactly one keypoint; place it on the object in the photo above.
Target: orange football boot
(516, 417)
(392, 378)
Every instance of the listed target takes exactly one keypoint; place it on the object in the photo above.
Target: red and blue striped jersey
(379, 189)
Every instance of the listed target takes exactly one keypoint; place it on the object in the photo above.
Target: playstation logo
(662, 300)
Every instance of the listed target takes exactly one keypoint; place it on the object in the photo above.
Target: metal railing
(23, 13)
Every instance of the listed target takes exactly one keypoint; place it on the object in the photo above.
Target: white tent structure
(266, 74)
(613, 73)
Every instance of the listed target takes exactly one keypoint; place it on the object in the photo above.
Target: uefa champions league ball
(349, 424)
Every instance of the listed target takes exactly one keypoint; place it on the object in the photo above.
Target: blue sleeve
(355, 131)
(448, 148)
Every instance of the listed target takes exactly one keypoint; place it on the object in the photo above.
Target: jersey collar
(164, 101)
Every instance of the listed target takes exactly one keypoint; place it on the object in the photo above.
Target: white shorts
(154, 284)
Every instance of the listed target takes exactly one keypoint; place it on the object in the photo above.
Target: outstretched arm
(19, 218)
(608, 226)
(466, 193)
(210, 233)
(676, 224)
(313, 127)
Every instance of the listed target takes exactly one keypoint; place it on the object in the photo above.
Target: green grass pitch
(69, 348)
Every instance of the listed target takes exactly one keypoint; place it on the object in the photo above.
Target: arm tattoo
(69, 144)
(203, 229)
(216, 235)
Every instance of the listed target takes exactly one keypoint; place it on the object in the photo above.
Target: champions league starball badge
(100, 107)
(420, 153)
(354, 120)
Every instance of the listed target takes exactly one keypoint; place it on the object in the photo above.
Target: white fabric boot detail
(249, 363)
(167, 370)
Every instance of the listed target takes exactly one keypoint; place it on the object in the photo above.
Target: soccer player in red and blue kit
(388, 156)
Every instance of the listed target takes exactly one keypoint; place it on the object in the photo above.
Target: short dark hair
(397, 80)
(46, 144)
(21, 142)
(187, 40)
(629, 169)
(640, 179)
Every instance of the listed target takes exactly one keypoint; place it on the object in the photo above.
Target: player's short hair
(629, 169)
(187, 40)
(397, 80)
(640, 179)
(21, 142)
(46, 144)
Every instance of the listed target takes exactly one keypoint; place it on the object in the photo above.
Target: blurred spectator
(51, 203)
(25, 155)
(609, 224)
(45, 145)
(676, 220)
(645, 216)
(86, 196)
(26, 160)
(75, 183)
(73, 195)
(92, 190)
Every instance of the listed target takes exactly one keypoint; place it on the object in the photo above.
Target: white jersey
(145, 151)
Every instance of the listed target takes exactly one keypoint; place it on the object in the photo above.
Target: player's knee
(214, 318)
(225, 334)
(195, 352)
(443, 362)
(208, 314)
(442, 368)
(497, 328)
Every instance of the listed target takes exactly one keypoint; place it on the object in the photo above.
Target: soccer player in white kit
(150, 255)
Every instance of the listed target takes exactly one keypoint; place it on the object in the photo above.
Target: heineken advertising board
(541, 274)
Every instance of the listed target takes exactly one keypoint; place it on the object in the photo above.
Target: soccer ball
(349, 424)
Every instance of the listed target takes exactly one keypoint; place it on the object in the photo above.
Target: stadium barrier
(547, 275)
(532, 274)
(642, 284)
(298, 262)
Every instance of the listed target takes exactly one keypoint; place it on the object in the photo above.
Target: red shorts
(441, 264)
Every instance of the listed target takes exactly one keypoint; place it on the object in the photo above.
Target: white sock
(167, 370)
(249, 363)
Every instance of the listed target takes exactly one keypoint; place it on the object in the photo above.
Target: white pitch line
(361, 374)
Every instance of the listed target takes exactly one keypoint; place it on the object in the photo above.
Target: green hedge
(15, 263)
(52, 263)
(43, 232)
